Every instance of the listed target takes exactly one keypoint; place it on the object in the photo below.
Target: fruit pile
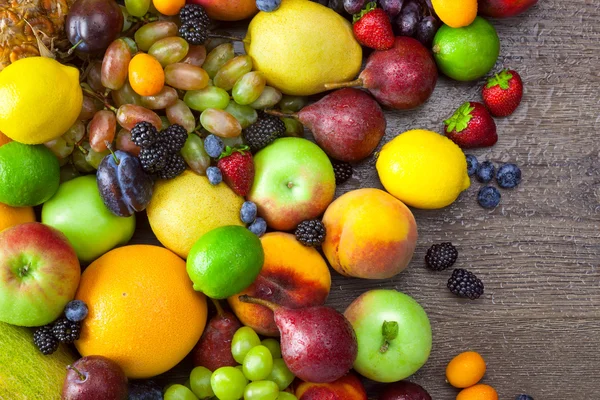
(153, 113)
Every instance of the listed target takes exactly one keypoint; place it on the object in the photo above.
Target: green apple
(77, 210)
(39, 274)
(393, 334)
(293, 182)
(27, 374)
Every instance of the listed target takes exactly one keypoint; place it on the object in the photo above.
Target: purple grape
(406, 23)
(412, 5)
(392, 7)
(337, 6)
(426, 30)
(354, 6)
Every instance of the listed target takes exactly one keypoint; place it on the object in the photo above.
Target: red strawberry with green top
(372, 28)
(503, 93)
(237, 168)
(471, 126)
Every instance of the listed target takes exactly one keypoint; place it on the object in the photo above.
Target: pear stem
(218, 306)
(278, 113)
(78, 372)
(354, 83)
(217, 36)
(253, 300)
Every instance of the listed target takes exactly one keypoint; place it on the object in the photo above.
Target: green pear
(302, 46)
(25, 373)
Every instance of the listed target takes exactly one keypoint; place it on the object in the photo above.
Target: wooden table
(538, 253)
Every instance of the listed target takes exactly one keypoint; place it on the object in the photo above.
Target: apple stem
(78, 372)
(356, 82)
(218, 307)
(277, 113)
(253, 300)
(217, 36)
(389, 330)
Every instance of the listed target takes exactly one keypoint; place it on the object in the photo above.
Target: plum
(404, 390)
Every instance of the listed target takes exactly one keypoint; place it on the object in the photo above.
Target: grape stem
(281, 114)
(354, 83)
(98, 97)
(234, 38)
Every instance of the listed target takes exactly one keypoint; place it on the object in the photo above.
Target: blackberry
(465, 284)
(193, 12)
(174, 166)
(441, 256)
(263, 132)
(66, 331)
(44, 340)
(173, 138)
(342, 170)
(153, 158)
(144, 134)
(311, 232)
(194, 33)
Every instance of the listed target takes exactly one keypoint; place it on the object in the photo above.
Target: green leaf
(230, 150)
(368, 8)
(500, 79)
(460, 119)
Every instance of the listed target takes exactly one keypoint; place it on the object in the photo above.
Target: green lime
(29, 175)
(225, 261)
(468, 53)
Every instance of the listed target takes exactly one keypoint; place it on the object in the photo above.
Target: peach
(292, 275)
(348, 387)
(228, 10)
(370, 234)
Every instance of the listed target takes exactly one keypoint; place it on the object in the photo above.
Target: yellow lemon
(423, 169)
(39, 99)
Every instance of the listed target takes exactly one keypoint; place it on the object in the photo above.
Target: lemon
(39, 99)
(423, 169)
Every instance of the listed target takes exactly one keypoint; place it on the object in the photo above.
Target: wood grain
(538, 325)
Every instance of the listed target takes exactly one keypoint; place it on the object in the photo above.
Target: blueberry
(508, 176)
(524, 397)
(214, 175)
(248, 212)
(213, 145)
(144, 390)
(488, 197)
(76, 310)
(258, 227)
(485, 172)
(268, 5)
(472, 164)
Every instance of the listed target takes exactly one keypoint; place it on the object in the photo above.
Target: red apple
(39, 274)
(228, 10)
(504, 8)
(93, 378)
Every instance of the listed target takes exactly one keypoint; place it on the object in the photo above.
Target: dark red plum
(95, 377)
(404, 390)
(92, 25)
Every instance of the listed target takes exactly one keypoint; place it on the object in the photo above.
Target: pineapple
(18, 17)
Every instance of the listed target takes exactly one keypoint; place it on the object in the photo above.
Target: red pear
(504, 8)
(402, 77)
(318, 344)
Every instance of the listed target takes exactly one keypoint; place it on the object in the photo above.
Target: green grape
(165, 122)
(195, 56)
(79, 160)
(281, 374)
(200, 382)
(179, 392)
(273, 346)
(228, 383)
(233, 142)
(188, 384)
(194, 154)
(63, 161)
(261, 390)
(268, 98)
(249, 87)
(211, 43)
(89, 107)
(293, 127)
(169, 50)
(243, 340)
(163, 99)
(126, 95)
(94, 158)
(180, 113)
(220, 123)
(60, 147)
(137, 8)
(126, 22)
(292, 103)
(68, 172)
(75, 133)
(258, 363)
(217, 57)
(186, 76)
(150, 33)
(209, 97)
(286, 396)
(233, 70)
(245, 115)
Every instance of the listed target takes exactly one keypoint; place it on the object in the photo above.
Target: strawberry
(372, 28)
(503, 93)
(237, 168)
(471, 126)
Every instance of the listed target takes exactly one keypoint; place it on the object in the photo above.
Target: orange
(478, 392)
(4, 139)
(465, 370)
(454, 13)
(169, 7)
(11, 216)
(143, 312)
(146, 75)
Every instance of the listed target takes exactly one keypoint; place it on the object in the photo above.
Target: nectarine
(228, 10)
